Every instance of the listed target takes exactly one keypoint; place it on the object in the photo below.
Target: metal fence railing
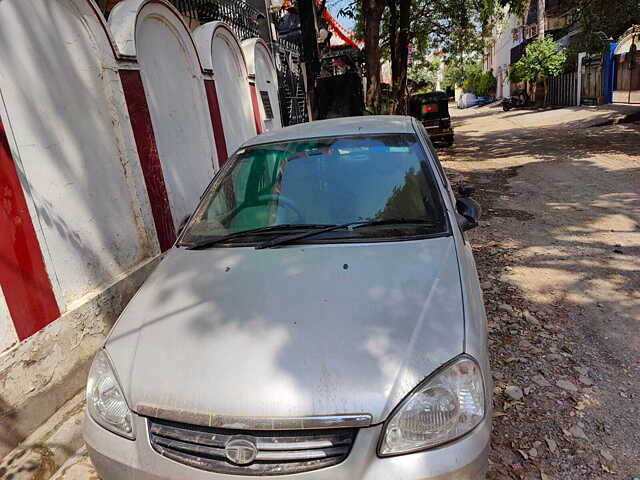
(563, 89)
(243, 18)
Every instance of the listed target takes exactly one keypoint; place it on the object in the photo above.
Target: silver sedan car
(319, 317)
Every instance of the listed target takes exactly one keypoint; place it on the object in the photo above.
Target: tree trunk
(372, 13)
(399, 47)
(393, 43)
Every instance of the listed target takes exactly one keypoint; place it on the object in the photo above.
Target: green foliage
(487, 84)
(461, 73)
(353, 11)
(599, 21)
(455, 27)
(482, 84)
(544, 58)
(472, 81)
(422, 75)
(516, 73)
(517, 7)
(453, 75)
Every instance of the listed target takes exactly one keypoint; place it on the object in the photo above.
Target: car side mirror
(466, 190)
(183, 224)
(469, 212)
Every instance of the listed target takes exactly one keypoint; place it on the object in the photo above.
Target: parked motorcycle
(511, 102)
(515, 101)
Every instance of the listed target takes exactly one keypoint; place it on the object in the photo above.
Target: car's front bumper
(440, 132)
(117, 458)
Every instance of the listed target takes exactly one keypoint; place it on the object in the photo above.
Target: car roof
(436, 94)
(337, 127)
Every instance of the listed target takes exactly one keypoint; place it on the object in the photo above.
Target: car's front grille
(275, 452)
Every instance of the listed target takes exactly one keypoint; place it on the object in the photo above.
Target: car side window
(443, 176)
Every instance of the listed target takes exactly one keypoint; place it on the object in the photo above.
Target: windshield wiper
(213, 241)
(351, 225)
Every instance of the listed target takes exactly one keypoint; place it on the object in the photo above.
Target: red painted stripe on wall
(216, 121)
(256, 108)
(149, 158)
(23, 275)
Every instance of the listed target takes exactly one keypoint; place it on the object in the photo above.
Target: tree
(487, 84)
(372, 11)
(399, 49)
(599, 21)
(455, 73)
(367, 15)
(455, 27)
(422, 76)
(463, 73)
(473, 74)
(544, 58)
(516, 73)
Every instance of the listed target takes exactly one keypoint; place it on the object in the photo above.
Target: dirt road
(558, 253)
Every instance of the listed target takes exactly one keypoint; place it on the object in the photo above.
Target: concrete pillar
(579, 79)
(609, 73)
(541, 18)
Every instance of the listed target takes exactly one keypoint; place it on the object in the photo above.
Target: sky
(334, 7)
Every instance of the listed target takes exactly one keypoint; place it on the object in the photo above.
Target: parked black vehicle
(432, 110)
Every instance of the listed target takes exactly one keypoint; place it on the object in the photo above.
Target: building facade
(506, 35)
(510, 37)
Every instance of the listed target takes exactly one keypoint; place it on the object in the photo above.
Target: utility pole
(310, 52)
(542, 18)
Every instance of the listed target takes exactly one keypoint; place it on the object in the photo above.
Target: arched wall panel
(72, 146)
(177, 100)
(227, 62)
(263, 72)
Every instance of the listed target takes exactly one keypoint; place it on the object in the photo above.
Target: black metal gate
(563, 89)
(293, 98)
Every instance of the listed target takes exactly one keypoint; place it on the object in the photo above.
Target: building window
(531, 31)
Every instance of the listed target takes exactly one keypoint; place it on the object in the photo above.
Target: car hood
(295, 331)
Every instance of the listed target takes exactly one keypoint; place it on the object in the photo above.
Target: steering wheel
(264, 199)
(285, 202)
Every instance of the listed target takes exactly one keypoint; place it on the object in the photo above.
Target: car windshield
(311, 183)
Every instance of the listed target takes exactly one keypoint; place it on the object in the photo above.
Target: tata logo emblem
(240, 451)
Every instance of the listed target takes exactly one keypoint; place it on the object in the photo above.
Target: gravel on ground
(558, 254)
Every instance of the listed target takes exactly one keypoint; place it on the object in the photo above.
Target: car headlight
(105, 400)
(444, 407)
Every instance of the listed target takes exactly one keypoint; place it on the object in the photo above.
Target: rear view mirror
(469, 212)
(466, 190)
